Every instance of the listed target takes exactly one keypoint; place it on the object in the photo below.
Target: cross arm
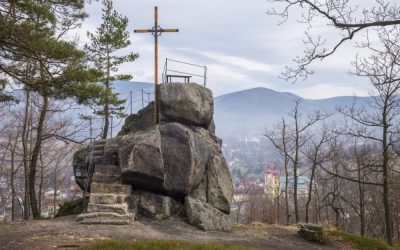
(143, 31)
(169, 30)
(153, 30)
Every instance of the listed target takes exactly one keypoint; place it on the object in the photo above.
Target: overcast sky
(239, 43)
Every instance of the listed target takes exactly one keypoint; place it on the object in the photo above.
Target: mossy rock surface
(312, 232)
(70, 208)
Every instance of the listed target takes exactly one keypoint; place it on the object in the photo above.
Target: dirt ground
(66, 233)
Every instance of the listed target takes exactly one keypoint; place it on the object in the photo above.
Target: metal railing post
(166, 70)
(167, 78)
(142, 98)
(111, 126)
(90, 167)
(131, 102)
(205, 75)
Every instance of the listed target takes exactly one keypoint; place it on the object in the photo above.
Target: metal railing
(90, 169)
(171, 72)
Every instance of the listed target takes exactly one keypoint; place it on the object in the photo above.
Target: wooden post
(155, 65)
(156, 31)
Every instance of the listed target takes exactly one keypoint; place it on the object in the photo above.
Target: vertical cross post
(156, 31)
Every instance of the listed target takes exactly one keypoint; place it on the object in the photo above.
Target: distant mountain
(250, 112)
(244, 113)
(125, 87)
(242, 117)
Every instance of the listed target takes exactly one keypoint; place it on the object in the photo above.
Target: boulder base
(174, 168)
(205, 216)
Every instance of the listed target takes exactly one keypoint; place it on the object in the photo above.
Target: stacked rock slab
(177, 166)
(108, 197)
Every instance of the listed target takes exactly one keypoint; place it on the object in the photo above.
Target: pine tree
(110, 37)
(34, 55)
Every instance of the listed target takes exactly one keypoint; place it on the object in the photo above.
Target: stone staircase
(108, 197)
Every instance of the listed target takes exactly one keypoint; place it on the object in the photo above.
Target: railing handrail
(166, 70)
(172, 60)
(90, 167)
(175, 71)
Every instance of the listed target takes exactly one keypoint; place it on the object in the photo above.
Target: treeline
(44, 76)
(351, 157)
(365, 149)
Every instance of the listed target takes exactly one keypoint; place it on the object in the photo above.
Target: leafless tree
(297, 135)
(348, 18)
(279, 138)
(19, 138)
(316, 153)
(381, 125)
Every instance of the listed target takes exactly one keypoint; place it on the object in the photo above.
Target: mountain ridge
(253, 110)
(247, 112)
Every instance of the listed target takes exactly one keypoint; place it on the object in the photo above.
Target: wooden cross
(156, 31)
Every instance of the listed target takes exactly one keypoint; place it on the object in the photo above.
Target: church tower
(271, 182)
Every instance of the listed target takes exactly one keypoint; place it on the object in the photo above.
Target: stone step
(111, 208)
(104, 221)
(100, 142)
(107, 169)
(98, 153)
(98, 160)
(105, 215)
(99, 147)
(110, 188)
(106, 178)
(107, 198)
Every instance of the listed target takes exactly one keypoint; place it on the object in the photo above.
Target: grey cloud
(232, 29)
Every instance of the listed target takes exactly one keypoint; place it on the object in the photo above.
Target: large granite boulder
(143, 120)
(189, 104)
(219, 186)
(205, 216)
(176, 165)
(158, 206)
(141, 160)
(185, 155)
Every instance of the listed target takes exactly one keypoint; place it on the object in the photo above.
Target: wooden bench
(186, 79)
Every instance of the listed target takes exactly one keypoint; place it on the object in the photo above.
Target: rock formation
(175, 168)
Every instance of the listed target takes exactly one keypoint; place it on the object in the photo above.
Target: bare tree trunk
(41, 182)
(386, 188)
(286, 163)
(337, 217)
(278, 214)
(310, 190)
(286, 193)
(295, 165)
(12, 178)
(361, 201)
(55, 192)
(106, 100)
(34, 159)
(106, 114)
(296, 159)
(25, 135)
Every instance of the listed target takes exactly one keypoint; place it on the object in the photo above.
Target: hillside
(250, 112)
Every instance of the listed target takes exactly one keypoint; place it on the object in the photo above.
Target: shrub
(70, 207)
(360, 242)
